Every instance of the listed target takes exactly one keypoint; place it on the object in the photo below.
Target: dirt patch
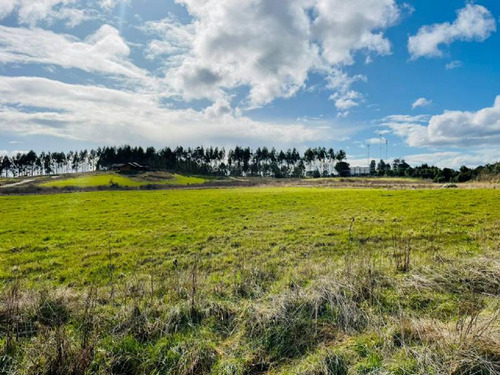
(23, 182)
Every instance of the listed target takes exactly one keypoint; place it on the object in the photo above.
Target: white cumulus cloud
(473, 23)
(452, 128)
(269, 47)
(421, 102)
(455, 159)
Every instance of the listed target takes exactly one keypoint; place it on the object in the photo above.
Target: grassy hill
(251, 280)
(110, 179)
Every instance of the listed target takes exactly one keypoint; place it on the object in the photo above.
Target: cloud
(109, 4)
(7, 7)
(31, 12)
(261, 44)
(421, 102)
(454, 65)
(376, 141)
(90, 113)
(347, 101)
(407, 119)
(343, 27)
(176, 38)
(473, 23)
(267, 46)
(103, 52)
(452, 128)
(455, 159)
(73, 16)
(12, 152)
(344, 97)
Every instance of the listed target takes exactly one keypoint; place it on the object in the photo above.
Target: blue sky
(295, 73)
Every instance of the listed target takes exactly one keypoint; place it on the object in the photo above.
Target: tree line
(399, 168)
(238, 161)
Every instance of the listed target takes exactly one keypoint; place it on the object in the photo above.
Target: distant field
(183, 180)
(251, 281)
(375, 178)
(92, 181)
(107, 179)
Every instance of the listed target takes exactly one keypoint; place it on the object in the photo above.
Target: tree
(75, 162)
(381, 167)
(464, 175)
(341, 155)
(373, 167)
(39, 163)
(30, 161)
(92, 159)
(399, 166)
(59, 159)
(343, 169)
(410, 172)
(309, 157)
(47, 163)
(19, 164)
(6, 165)
(299, 170)
(447, 174)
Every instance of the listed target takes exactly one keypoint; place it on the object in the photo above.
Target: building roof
(131, 164)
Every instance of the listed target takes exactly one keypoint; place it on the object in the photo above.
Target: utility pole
(368, 147)
(380, 146)
(386, 149)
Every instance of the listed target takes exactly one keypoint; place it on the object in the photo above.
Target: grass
(50, 236)
(251, 280)
(373, 179)
(93, 180)
(182, 180)
(108, 179)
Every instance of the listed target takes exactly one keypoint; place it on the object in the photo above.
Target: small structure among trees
(360, 171)
(129, 167)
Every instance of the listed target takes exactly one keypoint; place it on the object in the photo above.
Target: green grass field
(107, 179)
(49, 236)
(253, 280)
